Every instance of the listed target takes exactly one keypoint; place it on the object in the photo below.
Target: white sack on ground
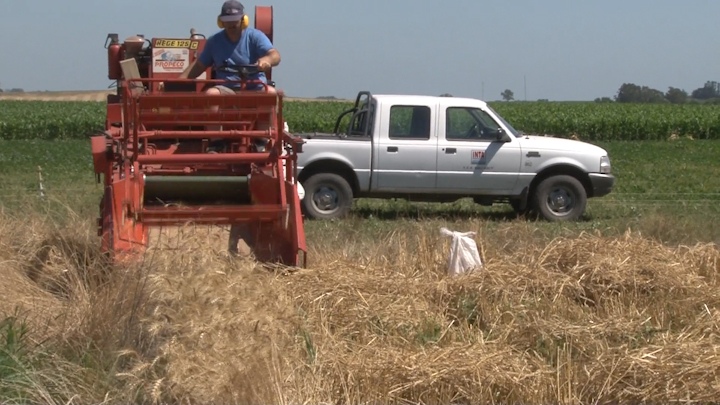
(464, 255)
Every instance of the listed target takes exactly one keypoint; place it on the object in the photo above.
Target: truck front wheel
(327, 196)
(560, 198)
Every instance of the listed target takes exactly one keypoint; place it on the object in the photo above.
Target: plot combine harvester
(171, 155)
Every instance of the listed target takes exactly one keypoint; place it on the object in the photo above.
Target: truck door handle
(450, 150)
(392, 148)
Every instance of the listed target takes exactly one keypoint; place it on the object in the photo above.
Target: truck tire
(327, 196)
(560, 198)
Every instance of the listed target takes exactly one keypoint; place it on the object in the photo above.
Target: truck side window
(409, 122)
(469, 124)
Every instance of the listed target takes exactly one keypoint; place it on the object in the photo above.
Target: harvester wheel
(327, 196)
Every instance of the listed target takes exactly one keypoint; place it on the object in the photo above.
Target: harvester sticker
(168, 60)
(176, 43)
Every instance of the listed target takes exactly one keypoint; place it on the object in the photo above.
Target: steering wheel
(474, 132)
(241, 70)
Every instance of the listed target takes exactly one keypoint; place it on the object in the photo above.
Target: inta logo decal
(477, 157)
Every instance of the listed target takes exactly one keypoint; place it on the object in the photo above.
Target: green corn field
(585, 120)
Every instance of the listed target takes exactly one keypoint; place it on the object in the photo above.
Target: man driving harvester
(227, 51)
(236, 45)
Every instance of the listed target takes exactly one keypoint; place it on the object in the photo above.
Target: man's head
(232, 16)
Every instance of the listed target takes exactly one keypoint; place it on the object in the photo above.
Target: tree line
(633, 93)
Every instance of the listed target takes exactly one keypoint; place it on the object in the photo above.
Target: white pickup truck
(441, 149)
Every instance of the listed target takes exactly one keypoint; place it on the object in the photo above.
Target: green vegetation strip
(672, 187)
(586, 120)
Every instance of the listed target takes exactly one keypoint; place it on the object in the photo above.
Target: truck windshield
(512, 130)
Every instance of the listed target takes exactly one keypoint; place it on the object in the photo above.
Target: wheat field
(578, 319)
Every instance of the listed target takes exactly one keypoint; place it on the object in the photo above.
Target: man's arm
(201, 62)
(270, 59)
(193, 70)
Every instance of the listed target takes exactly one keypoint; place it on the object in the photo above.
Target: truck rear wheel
(560, 198)
(327, 196)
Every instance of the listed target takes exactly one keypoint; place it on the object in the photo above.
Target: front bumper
(602, 184)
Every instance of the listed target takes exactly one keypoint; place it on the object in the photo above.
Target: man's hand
(263, 64)
(267, 61)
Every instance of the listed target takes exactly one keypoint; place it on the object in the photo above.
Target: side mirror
(502, 136)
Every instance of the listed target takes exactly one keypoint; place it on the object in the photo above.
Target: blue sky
(552, 49)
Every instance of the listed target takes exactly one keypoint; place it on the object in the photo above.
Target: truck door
(407, 144)
(470, 158)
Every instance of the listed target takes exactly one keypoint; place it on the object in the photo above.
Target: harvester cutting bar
(212, 214)
(201, 158)
(230, 134)
(183, 117)
(193, 105)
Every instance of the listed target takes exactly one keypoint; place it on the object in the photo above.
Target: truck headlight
(605, 165)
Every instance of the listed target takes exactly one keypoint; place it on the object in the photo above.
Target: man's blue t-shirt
(219, 50)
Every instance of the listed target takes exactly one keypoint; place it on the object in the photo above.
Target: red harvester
(172, 155)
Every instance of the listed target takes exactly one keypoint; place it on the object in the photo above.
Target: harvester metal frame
(156, 161)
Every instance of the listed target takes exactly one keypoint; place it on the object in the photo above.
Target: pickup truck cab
(441, 149)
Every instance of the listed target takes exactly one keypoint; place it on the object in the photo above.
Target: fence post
(40, 179)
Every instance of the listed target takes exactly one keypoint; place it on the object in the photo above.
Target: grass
(619, 307)
(656, 180)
